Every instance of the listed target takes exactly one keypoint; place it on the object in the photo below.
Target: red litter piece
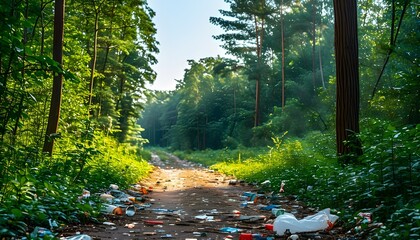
(269, 227)
(245, 236)
(153, 222)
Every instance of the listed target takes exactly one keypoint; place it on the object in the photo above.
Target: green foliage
(144, 154)
(33, 187)
(116, 164)
(281, 163)
(205, 111)
(210, 157)
(404, 223)
(214, 106)
(385, 183)
(36, 188)
(31, 196)
(294, 119)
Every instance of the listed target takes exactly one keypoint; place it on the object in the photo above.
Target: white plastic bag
(78, 237)
(319, 221)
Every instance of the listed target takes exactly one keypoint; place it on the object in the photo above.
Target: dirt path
(190, 202)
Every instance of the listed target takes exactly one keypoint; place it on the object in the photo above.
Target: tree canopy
(299, 97)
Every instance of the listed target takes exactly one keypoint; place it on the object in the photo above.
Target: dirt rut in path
(188, 202)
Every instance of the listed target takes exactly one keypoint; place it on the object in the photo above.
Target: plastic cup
(130, 211)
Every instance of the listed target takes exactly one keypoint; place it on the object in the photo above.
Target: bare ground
(194, 203)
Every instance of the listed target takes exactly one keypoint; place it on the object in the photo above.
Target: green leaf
(17, 212)
(71, 77)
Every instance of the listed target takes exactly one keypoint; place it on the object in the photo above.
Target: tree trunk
(282, 57)
(320, 69)
(313, 44)
(259, 35)
(58, 77)
(95, 53)
(393, 40)
(258, 38)
(22, 94)
(257, 103)
(347, 68)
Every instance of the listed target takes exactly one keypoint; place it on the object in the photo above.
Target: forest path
(188, 201)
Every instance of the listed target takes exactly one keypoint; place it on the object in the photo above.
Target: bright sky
(184, 32)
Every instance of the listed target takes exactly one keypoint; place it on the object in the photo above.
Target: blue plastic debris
(229, 230)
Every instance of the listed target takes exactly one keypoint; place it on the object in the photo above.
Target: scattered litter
(229, 230)
(319, 221)
(130, 211)
(200, 234)
(277, 211)
(248, 196)
(130, 225)
(245, 236)
(282, 187)
(269, 227)
(266, 182)
(53, 223)
(108, 223)
(366, 217)
(85, 194)
(161, 211)
(166, 236)
(119, 196)
(244, 204)
(293, 237)
(106, 197)
(78, 237)
(253, 218)
(153, 222)
(204, 217)
(223, 221)
(112, 209)
(236, 213)
(40, 232)
(233, 182)
(269, 207)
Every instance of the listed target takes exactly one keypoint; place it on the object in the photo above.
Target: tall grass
(210, 157)
(385, 181)
(35, 188)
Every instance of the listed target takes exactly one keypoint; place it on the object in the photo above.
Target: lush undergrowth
(37, 190)
(385, 181)
(210, 157)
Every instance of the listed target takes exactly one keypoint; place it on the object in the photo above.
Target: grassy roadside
(50, 188)
(384, 182)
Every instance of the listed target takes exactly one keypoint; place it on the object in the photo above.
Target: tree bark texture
(95, 54)
(283, 80)
(313, 43)
(259, 31)
(347, 70)
(54, 114)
